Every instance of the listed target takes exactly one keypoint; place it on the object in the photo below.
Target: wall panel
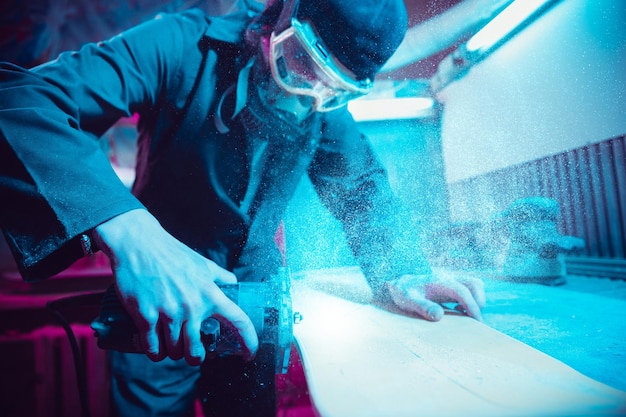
(589, 183)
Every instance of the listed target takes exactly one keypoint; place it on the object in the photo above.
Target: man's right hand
(168, 289)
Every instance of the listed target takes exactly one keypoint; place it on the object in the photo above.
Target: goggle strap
(290, 9)
(242, 87)
(241, 97)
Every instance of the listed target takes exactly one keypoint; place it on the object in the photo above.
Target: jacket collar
(229, 28)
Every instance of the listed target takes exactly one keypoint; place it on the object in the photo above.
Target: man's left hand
(423, 294)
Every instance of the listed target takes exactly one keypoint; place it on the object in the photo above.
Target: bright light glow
(391, 108)
(503, 24)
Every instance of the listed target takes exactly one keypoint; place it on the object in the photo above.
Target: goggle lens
(301, 65)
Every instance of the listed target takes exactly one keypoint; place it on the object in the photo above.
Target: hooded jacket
(56, 183)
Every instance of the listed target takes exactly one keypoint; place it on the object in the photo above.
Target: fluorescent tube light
(503, 25)
(391, 108)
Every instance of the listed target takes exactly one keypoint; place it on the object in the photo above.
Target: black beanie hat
(361, 34)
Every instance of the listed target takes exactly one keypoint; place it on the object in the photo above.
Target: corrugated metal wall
(589, 183)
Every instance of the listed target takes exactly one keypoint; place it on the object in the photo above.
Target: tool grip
(115, 330)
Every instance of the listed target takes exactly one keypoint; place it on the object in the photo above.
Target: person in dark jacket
(233, 111)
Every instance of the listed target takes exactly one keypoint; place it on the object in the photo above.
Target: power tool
(267, 303)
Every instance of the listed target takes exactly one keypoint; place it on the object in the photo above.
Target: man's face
(295, 107)
(302, 65)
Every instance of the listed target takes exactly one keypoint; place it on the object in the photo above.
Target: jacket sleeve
(55, 182)
(353, 185)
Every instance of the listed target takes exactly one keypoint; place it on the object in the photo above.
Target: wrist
(114, 234)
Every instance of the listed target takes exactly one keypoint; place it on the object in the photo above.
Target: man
(233, 111)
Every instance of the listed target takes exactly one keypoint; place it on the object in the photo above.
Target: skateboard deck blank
(362, 361)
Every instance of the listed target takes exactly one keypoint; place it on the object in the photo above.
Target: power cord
(55, 307)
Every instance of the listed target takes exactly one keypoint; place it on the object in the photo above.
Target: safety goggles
(302, 65)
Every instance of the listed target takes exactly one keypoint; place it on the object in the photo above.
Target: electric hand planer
(266, 302)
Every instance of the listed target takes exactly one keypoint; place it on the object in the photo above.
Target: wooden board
(362, 361)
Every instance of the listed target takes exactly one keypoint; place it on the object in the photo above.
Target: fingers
(477, 288)
(229, 313)
(470, 293)
(465, 297)
(175, 341)
(427, 309)
(150, 343)
(195, 351)
(412, 301)
(167, 337)
(184, 340)
(174, 344)
(421, 295)
(160, 334)
(168, 303)
(149, 336)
